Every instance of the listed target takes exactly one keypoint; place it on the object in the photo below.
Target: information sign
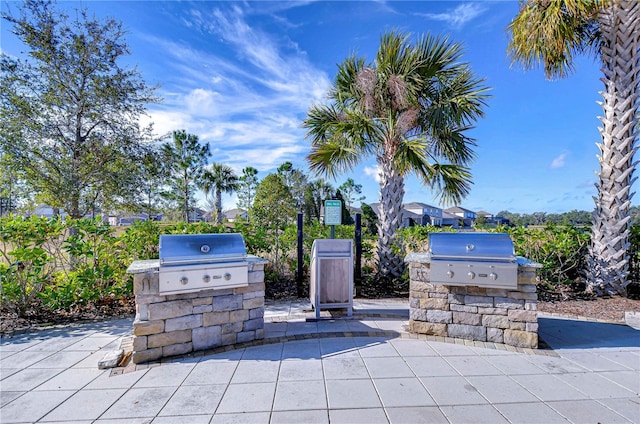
(333, 212)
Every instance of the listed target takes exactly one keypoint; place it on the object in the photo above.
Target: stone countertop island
(176, 324)
(499, 315)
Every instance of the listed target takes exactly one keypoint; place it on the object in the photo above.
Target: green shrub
(28, 266)
(141, 240)
(97, 266)
(560, 249)
(416, 238)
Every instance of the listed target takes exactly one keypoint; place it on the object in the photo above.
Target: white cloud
(166, 121)
(202, 102)
(459, 16)
(559, 161)
(373, 171)
(245, 93)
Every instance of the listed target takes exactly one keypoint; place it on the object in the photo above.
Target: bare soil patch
(39, 318)
(608, 309)
(571, 300)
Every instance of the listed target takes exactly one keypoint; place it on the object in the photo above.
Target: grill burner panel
(473, 259)
(193, 262)
(189, 278)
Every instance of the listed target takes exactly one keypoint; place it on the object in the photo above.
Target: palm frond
(331, 158)
(345, 89)
(412, 155)
(320, 121)
(548, 33)
(453, 145)
(451, 182)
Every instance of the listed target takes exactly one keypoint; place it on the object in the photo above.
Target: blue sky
(242, 75)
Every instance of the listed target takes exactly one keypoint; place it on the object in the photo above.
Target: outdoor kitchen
(472, 286)
(203, 292)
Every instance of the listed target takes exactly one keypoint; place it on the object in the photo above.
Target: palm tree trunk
(390, 265)
(608, 262)
(219, 206)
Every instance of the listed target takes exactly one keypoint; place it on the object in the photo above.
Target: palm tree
(221, 179)
(410, 109)
(550, 32)
(317, 191)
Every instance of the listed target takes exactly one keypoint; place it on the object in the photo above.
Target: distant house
(196, 215)
(429, 215)
(416, 213)
(467, 216)
(451, 220)
(486, 215)
(45, 211)
(128, 219)
(492, 219)
(234, 214)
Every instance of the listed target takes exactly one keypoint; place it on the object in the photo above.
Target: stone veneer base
(170, 325)
(474, 313)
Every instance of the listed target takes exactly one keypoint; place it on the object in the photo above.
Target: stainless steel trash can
(332, 275)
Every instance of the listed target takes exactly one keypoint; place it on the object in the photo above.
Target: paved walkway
(374, 372)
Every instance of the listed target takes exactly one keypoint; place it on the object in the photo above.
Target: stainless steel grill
(473, 259)
(193, 262)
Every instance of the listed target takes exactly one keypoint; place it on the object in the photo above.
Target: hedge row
(60, 264)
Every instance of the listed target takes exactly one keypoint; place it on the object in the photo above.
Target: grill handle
(473, 258)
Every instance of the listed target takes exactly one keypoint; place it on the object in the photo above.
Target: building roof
(419, 205)
(233, 213)
(376, 207)
(457, 209)
(447, 215)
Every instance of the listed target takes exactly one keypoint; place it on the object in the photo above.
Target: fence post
(358, 259)
(300, 270)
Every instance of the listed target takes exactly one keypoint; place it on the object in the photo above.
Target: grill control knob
(206, 278)
(493, 276)
(184, 281)
(471, 275)
(227, 276)
(450, 274)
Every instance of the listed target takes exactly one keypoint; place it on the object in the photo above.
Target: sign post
(333, 215)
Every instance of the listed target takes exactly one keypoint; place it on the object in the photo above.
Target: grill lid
(176, 249)
(472, 247)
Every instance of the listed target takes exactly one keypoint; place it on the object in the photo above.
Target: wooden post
(357, 276)
(300, 270)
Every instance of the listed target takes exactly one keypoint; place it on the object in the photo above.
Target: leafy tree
(69, 112)
(273, 209)
(13, 189)
(577, 218)
(369, 219)
(351, 192)
(220, 179)
(248, 184)
(149, 185)
(480, 221)
(550, 32)
(346, 213)
(410, 109)
(184, 159)
(296, 181)
(634, 212)
(539, 218)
